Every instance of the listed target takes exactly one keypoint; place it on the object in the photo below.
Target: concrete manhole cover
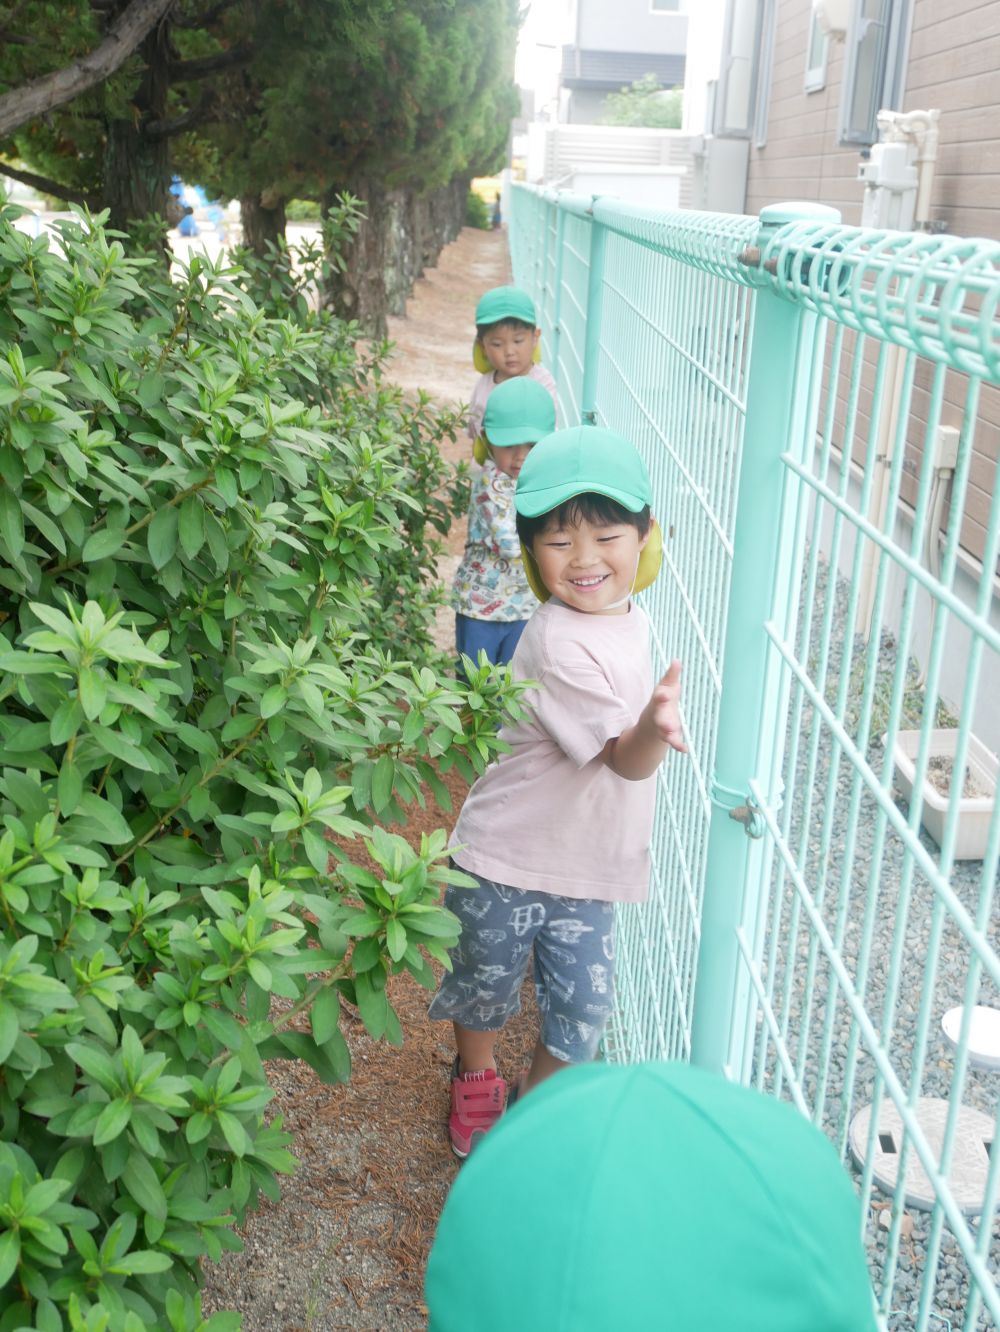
(970, 1155)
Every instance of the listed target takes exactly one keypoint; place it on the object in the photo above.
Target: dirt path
(434, 352)
(345, 1247)
(434, 338)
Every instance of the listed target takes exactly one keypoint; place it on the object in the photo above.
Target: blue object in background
(209, 212)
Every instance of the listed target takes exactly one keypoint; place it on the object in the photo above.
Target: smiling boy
(558, 829)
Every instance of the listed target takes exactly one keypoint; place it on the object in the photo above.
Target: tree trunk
(402, 234)
(362, 290)
(137, 163)
(263, 219)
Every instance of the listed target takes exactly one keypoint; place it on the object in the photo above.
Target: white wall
(702, 62)
(558, 153)
(651, 188)
(719, 174)
(584, 106)
(630, 25)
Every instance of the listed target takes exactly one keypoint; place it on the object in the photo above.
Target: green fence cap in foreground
(656, 1196)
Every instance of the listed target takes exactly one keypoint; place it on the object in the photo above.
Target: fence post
(542, 278)
(557, 306)
(777, 419)
(515, 210)
(592, 337)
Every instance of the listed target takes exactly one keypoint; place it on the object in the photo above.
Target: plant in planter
(211, 517)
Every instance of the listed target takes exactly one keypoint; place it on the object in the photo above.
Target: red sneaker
(477, 1101)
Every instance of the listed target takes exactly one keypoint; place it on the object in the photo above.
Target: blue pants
(497, 638)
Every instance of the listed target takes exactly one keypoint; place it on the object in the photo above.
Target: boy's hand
(638, 751)
(663, 710)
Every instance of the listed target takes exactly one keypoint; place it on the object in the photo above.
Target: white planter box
(974, 814)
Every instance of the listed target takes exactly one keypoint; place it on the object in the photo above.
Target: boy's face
(509, 458)
(509, 350)
(588, 566)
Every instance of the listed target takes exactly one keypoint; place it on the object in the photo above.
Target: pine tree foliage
(281, 97)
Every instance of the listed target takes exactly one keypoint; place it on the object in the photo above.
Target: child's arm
(639, 751)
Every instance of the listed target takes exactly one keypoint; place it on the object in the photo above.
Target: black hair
(591, 507)
(508, 322)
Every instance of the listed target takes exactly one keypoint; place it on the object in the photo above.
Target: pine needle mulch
(347, 1244)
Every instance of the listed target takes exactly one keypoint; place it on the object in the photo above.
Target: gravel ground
(851, 878)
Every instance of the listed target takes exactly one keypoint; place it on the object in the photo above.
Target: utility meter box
(890, 179)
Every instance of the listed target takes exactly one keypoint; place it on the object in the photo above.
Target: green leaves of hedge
(215, 533)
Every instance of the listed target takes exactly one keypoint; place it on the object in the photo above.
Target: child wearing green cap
(506, 347)
(656, 1196)
(558, 829)
(491, 596)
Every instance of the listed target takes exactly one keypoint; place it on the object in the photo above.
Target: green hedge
(302, 210)
(476, 212)
(217, 526)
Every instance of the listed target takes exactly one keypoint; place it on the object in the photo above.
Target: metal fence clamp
(740, 806)
(749, 816)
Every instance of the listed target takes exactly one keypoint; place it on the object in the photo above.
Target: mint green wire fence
(819, 410)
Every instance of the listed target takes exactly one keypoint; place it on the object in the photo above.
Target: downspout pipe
(919, 128)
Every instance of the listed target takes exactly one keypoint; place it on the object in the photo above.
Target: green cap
(578, 461)
(519, 411)
(505, 303)
(650, 1196)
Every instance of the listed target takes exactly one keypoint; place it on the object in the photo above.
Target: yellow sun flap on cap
(650, 558)
(482, 364)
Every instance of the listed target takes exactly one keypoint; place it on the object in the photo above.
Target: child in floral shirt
(491, 596)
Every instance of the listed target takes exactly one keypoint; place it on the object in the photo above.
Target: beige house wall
(953, 65)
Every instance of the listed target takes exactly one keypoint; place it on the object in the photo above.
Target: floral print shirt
(490, 583)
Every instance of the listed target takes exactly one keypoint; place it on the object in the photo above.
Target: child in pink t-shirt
(506, 346)
(558, 830)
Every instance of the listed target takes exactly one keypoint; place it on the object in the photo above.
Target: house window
(816, 57)
(744, 81)
(875, 68)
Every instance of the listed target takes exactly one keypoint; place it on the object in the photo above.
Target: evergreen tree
(266, 99)
(362, 99)
(110, 146)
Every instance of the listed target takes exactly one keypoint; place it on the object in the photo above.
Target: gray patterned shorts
(574, 947)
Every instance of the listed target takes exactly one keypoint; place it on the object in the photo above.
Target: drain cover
(970, 1154)
(984, 1034)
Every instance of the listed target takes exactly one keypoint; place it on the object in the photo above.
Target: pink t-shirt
(485, 386)
(551, 816)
